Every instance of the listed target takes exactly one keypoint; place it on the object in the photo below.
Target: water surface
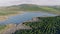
(25, 17)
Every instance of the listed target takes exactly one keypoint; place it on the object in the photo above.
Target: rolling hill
(31, 7)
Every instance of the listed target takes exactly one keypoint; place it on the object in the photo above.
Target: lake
(25, 17)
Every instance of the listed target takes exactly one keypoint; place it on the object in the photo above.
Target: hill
(29, 7)
(45, 25)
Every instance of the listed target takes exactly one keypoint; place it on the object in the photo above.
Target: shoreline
(5, 17)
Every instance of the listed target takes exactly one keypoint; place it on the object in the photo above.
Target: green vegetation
(28, 7)
(50, 9)
(31, 7)
(45, 25)
(7, 12)
(2, 27)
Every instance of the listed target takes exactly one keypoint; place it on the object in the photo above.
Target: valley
(29, 18)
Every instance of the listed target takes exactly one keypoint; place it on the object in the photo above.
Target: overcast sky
(39, 2)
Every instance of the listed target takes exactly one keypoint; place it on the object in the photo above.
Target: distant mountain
(28, 7)
(24, 7)
(32, 7)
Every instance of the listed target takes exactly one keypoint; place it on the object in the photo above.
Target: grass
(49, 9)
(14, 9)
(2, 27)
(7, 12)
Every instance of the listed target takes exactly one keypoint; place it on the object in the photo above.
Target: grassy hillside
(28, 7)
(45, 25)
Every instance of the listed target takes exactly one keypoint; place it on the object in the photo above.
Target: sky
(39, 2)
